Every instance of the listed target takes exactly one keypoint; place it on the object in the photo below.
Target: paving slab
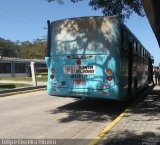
(141, 124)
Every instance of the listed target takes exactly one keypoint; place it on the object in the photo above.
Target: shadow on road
(90, 110)
(100, 110)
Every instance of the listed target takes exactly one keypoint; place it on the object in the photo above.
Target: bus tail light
(52, 70)
(52, 77)
(109, 71)
(103, 93)
(109, 78)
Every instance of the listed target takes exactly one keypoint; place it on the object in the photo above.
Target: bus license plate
(79, 82)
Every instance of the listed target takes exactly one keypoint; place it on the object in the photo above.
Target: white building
(12, 67)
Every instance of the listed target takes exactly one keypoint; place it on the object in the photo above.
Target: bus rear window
(76, 36)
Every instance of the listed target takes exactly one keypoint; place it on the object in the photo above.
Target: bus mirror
(152, 61)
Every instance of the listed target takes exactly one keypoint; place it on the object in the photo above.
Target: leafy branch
(120, 8)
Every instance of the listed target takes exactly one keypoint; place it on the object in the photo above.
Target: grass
(40, 79)
(16, 79)
(12, 85)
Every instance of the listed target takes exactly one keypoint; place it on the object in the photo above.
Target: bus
(95, 57)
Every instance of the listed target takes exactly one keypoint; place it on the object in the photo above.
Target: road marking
(115, 121)
(107, 128)
(21, 92)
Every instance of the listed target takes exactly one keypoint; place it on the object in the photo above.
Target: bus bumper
(112, 93)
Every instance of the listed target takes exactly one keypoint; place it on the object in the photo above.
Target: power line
(21, 18)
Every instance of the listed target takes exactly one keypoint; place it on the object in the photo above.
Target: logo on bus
(72, 69)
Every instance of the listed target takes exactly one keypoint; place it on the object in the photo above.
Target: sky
(26, 20)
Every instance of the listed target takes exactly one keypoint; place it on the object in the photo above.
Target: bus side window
(135, 46)
(143, 52)
(131, 42)
(124, 41)
(124, 58)
(140, 49)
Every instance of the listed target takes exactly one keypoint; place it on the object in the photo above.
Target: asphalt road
(36, 115)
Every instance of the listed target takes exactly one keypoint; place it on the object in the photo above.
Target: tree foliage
(121, 8)
(8, 48)
(35, 49)
(26, 49)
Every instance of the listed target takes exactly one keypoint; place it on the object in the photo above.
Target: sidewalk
(140, 126)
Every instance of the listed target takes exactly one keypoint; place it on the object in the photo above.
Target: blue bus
(95, 57)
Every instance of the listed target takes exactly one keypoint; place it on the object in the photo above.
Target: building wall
(14, 67)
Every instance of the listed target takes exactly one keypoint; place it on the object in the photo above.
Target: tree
(121, 8)
(26, 49)
(33, 50)
(8, 48)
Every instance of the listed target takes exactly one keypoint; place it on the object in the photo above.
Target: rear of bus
(84, 58)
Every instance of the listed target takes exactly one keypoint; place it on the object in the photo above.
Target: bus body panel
(88, 59)
(93, 85)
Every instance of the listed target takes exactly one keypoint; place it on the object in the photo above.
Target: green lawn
(11, 86)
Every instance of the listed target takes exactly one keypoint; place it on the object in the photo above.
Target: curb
(15, 91)
(21, 89)
(108, 127)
